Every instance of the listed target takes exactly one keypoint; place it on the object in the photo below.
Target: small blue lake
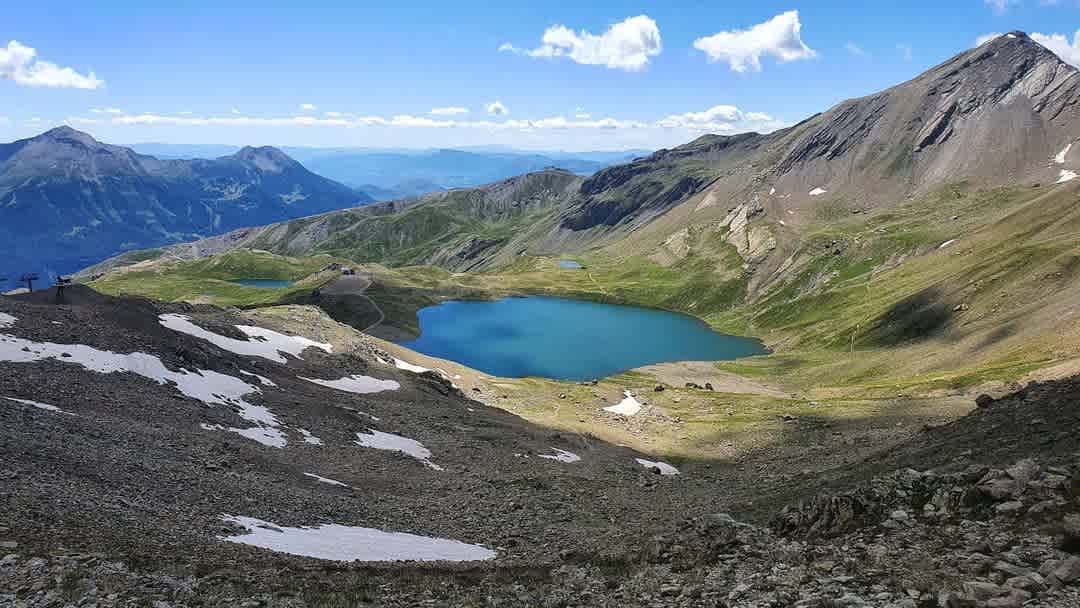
(569, 264)
(567, 339)
(264, 283)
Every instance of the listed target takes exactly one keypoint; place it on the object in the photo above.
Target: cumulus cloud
(19, 63)
(721, 119)
(308, 107)
(235, 111)
(981, 40)
(1069, 52)
(496, 108)
(627, 45)
(779, 37)
(106, 110)
(448, 111)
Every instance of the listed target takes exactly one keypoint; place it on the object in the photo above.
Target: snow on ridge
(210, 387)
(396, 443)
(308, 437)
(6, 320)
(562, 456)
(818, 192)
(39, 405)
(409, 367)
(357, 384)
(663, 467)
(1060, 158)
(326, 480)
(946, 243)
(627, 407)
(268, 344)
(351, 543)
(1066, 175)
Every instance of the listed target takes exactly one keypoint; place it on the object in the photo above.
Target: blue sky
(241, 72)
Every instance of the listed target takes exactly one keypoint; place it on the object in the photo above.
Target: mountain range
(1004, 112)
(68, 200)
(392, 173)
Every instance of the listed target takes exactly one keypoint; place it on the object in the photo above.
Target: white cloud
(905, 51)
(308, 107)
(778, 37)
(583, 116)
(4, 120)
(855, 49)
(981, 40)
(106, 110)
(77, 120)
(35, 119)
(448, 111)
(627, 45)
(19, 63)
(235, 111)
(1000, 6)
(1060, 45)
(496, 108)
(721, 119)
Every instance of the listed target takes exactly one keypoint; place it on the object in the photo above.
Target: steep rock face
(67, 198)
(994, 114)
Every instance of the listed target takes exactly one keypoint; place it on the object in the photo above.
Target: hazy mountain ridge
(67, 200)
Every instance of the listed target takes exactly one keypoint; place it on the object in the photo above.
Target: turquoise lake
(569, 264)
(264, 283)
(567, 339)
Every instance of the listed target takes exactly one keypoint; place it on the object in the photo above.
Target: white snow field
(561, 456)
(349, 543)
(357, 384)
(396, 443)
(627, 407)
(326, 480)
(6, 320)
(818, 192)
(39, 405)
(267, 344)
(665, 468)
(210, 387)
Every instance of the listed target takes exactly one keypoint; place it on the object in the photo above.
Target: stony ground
(118, 502)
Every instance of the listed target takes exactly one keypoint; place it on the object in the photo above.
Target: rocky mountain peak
(67, 134)
(265, 158)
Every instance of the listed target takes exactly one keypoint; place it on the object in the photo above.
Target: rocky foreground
(981, 537)
(135, 436)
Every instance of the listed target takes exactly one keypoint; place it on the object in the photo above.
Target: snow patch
(627, 407)
(663, 467)
(269, 437)
(1060, 158)
(326, 480)
(210, 387)
(348, 543)
(772, 191)
(561, 456)
(409, 367)
(818, 191)
(1066, 176)
(946, 243)
(396, 443)
(39, 405)
(357, 384)
(6, 320)
(267, 344)
(308, 437)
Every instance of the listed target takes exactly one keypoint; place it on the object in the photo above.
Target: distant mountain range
(389, 174)
(68, 200)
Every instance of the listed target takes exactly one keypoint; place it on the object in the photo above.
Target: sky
(553, 75)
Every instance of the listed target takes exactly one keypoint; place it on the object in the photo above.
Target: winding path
(354, 285)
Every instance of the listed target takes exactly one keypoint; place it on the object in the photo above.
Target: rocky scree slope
(68, 200)
(131, 428)
(990, 519)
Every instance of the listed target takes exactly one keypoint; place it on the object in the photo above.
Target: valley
(835, 364)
